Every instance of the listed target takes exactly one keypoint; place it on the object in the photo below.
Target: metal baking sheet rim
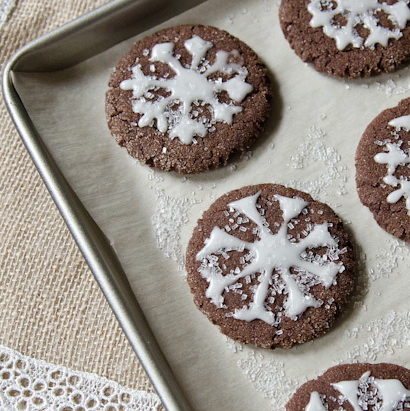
(123, 18)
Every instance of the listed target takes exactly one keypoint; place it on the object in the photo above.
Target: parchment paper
(309, 143)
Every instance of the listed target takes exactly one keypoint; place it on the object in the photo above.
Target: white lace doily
(30, 384)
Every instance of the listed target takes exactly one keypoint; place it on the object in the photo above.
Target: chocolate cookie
(348, 39)
(187, 97)
(270, 266)
(383, 170)
(355, 387)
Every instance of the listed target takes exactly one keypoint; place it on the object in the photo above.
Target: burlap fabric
(51, 306)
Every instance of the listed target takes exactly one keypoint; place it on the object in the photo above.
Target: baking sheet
(148, 216)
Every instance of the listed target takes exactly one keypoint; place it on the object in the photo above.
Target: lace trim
(30, 384)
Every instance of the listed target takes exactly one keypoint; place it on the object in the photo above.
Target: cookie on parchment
(187, 97)
(348, 39)
(383, 169)
(355, 387)
(270, 266)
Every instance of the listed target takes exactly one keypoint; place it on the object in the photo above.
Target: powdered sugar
(314, 151)
(393, 87)
(269, 377)
(383, 337)
(387, 259)
(171, 214)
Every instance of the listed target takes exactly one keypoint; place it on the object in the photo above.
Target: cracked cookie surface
(383, 169)
(359, 386)
(348, 39)
(270, 266)
(188, 97)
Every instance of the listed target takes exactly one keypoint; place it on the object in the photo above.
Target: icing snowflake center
(269, 253)
(354, 13)
(388, 394)
(181, 113)
(393, 158)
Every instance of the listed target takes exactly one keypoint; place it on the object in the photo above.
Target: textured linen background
(51, 307)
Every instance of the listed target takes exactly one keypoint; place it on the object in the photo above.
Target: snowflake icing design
(270, 252)
(356, 13)
(394, 157)
(188, 91)
(385, 394)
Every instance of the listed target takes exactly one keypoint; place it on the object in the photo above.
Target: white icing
(315, 403)
(402, 122)
(359, 12)
(391, 392)
(197, 47)
(350, 390)
(189, 87)
(271, 252)
(394, 157)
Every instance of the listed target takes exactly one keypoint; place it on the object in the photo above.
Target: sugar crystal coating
(270, 266)
(348, 38)
(359, 387)
(383, 169)
(187, 98)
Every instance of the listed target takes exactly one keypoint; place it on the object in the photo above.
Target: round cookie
(348, 39)
(187, 97)
(355, 386)
(383, 171)
(270, 266)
